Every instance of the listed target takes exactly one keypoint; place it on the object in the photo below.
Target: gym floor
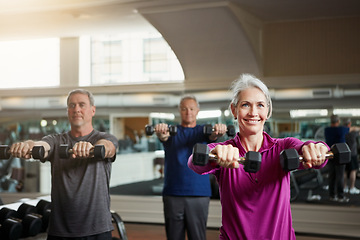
(151, 232)
(137, 231)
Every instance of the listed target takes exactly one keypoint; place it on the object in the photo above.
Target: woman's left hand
(314, 154)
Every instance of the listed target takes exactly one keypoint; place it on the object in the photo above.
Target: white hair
(246, 81)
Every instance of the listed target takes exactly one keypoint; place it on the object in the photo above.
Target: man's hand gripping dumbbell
(22, 150)
(229, 129)
(150, 129)
(163, 131)
(290, 159)
(216, 131)
(226, 156)
(82, 150)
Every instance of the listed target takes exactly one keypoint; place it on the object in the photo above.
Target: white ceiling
(207, 38)
(63, 18)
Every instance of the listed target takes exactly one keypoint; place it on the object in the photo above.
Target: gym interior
(139, 57)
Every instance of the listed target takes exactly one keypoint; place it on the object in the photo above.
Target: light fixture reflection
(347, 112)
(209, 114)
(169, 116)
(308, 113)
(43, 123)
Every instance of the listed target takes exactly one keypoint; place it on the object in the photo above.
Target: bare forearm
(23, 149)
(110, 149)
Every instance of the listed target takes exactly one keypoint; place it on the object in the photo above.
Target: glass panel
(127, 58)
(30, 63)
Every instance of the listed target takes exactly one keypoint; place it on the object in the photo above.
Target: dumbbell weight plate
(31, 222)
(42, 206)
(42, 210)
(172, 130)
(289, 159)
(200, 154)
(149, 130)
(64, 151)
(208, 129)
(25, 209)
(231, 132)
(253, 163)
(38, 152)
(4, 152)
(31, 225)
(99, 151)
(45, 220)
(6, 213)
(342, 153)
(10, 229)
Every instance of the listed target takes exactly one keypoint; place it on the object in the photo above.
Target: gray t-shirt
(80, 189)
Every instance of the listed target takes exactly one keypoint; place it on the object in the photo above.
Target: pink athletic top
(255, 205)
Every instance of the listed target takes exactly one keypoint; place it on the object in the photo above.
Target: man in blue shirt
(336, 134)
(186, 194)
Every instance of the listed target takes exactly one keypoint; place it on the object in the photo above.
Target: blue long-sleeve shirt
(179, 180)
(335, 134)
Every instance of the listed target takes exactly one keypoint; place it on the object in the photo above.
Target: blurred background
(139, 57)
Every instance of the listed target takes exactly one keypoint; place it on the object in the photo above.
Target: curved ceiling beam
(209, 41)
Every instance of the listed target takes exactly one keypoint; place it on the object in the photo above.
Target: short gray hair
(189, 97)
(81, 91)
(246, 81)
(334, 118)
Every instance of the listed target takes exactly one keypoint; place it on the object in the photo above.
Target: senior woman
(256, 205)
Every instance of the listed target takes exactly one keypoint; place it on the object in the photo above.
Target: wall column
(69, 62)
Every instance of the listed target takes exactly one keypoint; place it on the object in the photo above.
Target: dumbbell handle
(213, 129)
(202, 156)
(70, 151)
(213, 157)
(251, 161)
(327, 155)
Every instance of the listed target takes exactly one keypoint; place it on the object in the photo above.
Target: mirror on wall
(139, 167)
(306, 186)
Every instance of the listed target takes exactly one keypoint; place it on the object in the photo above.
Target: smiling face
(251, 111)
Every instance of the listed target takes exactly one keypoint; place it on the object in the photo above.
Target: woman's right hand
(227, 156)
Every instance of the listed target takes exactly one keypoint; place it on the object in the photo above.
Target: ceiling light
(43, 123)
(347, 112)
(169, 116)
(209, 114)
(226, 113)
(308, 113)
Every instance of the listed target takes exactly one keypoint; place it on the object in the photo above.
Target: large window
(126, 59)
(30, 63)
(155, 55)
(106, 60)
